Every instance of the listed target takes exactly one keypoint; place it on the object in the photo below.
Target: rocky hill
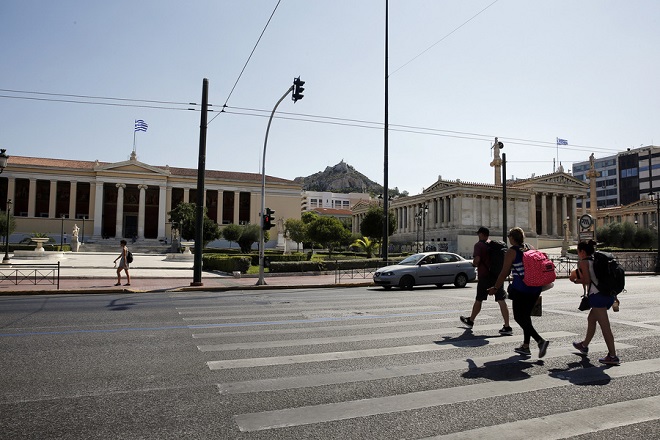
(341, 178)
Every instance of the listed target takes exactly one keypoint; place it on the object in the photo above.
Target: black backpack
(610, 274)
(496, 250)
(129, 257)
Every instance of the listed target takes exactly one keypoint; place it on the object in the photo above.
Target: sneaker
(523, 350)
(506, 331)
(610, 360)
(581, 348)
(467, 321)
(543, 347)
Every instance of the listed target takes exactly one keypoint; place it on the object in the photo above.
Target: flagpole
(134, 140)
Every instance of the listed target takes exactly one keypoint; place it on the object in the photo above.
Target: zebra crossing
(315, 366)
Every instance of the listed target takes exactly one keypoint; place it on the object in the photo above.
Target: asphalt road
(320, 363)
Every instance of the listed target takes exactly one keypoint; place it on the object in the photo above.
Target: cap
(483, 230)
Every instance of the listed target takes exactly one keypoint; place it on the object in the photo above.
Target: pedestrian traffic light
(297, 89)
(268, 219)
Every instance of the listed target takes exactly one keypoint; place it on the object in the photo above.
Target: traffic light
(268, 219)
(297, 89)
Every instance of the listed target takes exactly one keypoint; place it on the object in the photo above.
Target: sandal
(118, 284)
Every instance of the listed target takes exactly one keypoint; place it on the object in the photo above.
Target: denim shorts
(596, 300)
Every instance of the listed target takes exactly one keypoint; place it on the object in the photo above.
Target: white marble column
(237, 196)
(564, 209)
(553, 216)
(52, 200)
(574, 219)
(98, 208)
(544, 214)
(219, 210)
(119, 219)
(186, 195)
(11, 189)
(73, 195)
(162, 214)
(32, 197)
(532, 213)
(141, 210)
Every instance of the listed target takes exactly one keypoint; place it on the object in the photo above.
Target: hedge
(225, 263)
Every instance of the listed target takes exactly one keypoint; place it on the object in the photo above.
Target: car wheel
(407, 282)
(439, 285)
(387, 287)
(461, 280)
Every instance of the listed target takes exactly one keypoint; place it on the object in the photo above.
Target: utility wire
(442, 39)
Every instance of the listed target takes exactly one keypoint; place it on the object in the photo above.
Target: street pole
(657, 223)
(425, 208)
(386, 223)
(201, 169)
(418, 222)
(261, 281)
(5, 260)
(505, 233)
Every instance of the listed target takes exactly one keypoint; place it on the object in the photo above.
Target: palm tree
(366, 244)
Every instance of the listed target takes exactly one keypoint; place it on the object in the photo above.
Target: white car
(425, 268)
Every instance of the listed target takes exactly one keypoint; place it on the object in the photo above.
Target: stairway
(146, 246)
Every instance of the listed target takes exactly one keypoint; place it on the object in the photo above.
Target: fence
(31, 274)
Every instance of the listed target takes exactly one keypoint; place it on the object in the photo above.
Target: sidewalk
(95, 273)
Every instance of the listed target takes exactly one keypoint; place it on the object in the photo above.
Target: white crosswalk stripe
(255, 349)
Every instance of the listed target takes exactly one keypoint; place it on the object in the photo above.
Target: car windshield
(412, 260)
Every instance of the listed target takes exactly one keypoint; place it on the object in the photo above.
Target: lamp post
(5, 260)
(62, 235)
(418, 222)
(655, 197)
(425, 210)
(3, 160)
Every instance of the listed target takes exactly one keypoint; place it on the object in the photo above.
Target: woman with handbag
(599, 303)
(523, 297)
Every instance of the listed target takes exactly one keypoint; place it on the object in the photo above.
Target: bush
(227, 264)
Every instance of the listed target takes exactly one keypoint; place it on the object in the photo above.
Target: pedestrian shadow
(574, 373)
(115, 305)
(466, 339)
(510, 369)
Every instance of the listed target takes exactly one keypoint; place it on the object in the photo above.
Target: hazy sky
(461, 72)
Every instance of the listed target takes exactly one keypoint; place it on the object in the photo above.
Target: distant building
(132, 198)
(624, 177)
(312, 200)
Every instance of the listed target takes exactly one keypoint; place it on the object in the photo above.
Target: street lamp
(5, 260)
(653, 197)
(425, 210)
(418, 222)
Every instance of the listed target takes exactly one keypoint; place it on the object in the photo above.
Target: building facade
(131, 198)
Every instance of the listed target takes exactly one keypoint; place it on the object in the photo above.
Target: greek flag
(559, 141)
(140, 125)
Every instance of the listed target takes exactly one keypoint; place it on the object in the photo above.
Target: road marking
(321, 319)
(310, 312)
(342, 377)
(307, 415)
(569, 424)
(373, 352)
(340, 339)
(331, 328)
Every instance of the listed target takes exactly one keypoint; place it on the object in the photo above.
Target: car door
(428, 271)
(446, 268)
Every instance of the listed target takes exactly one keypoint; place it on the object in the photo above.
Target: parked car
(425, 268)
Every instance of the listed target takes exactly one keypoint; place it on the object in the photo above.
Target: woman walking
(599, 304)
(523, 297)
(123, 264)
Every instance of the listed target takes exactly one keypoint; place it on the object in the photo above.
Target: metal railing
(359, 273)
(31, 274)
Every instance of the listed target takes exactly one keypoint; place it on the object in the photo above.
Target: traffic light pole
(261, 280)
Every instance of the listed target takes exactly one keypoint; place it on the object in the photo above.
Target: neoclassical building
(132, 198)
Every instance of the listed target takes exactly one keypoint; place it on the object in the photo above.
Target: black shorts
(482, 289)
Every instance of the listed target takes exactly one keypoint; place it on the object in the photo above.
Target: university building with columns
(447, 214)
(131, 198)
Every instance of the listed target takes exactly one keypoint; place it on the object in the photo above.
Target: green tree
(231, 233)
(250, 236)
(296, 230)
(372, 223)
(3, 224)
(366, 244)
(308, 216)
(329, 232)
(184, 215)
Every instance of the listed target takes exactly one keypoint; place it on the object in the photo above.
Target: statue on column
(592, 161)
(497, 161)
(75, 244)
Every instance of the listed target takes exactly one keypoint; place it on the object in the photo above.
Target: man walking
(486, 278)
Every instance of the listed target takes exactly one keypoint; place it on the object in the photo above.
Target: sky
(76, 74)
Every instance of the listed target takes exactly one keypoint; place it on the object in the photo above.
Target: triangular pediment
(441, 184)
(559, 178)
(131, 166)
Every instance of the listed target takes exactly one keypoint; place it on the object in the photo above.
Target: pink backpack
(539, 269)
